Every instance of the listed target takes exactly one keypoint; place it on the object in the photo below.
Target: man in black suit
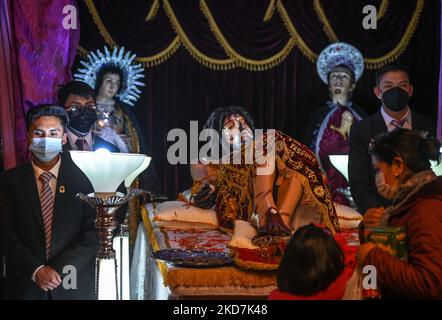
(393, 88)
(78, 99)
(47, 234)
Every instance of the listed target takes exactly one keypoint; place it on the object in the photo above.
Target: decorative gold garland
(250, 64)
(382, 9)
(146, 61)
(299, 42)
(327, 27)
(162, 56)
(237, 60)
(374, 63)
(96, 17)
(269, 12)
(153, 10)
(213, 63)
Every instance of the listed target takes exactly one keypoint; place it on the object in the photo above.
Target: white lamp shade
(340, 162)
(106, 170)
(128, 181)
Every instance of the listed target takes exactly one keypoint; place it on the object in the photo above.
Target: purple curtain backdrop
(8, 70)
(44, 53)
(439, 116)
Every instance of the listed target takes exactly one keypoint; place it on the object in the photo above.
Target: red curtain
(439, 115)
(37, 53)
(8, 84)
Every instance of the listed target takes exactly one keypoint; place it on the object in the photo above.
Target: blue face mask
(45, 149)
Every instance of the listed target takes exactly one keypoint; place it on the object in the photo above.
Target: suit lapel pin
(61, 189)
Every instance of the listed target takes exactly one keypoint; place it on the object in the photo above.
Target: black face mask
(395, 99)
(82, 120)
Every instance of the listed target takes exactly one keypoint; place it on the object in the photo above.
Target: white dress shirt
(52, 184)
(407, 124)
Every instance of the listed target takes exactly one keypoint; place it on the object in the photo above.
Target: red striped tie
(47, 207)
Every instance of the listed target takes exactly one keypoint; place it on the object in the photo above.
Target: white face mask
(385, 190)
(45, 149)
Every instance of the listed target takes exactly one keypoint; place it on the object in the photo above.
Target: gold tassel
(244, 62)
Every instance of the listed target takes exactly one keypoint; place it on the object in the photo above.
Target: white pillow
(243, 233)
(348, 217)
(180, 215)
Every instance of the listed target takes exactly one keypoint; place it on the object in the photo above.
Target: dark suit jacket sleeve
(359, 164)
(15, 251)
(83, 249)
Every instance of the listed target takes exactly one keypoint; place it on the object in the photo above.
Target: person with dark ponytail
(401, 160)
(316, 266)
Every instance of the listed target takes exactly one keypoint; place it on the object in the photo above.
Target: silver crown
(132, 73)
(339, 53)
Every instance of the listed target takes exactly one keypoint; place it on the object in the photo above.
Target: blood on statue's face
(340, 83)
(236, 129)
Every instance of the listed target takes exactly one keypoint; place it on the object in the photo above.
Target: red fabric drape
(439, 115)
(37, 55)
(7, 94)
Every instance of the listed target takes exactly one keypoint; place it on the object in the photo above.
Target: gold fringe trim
(249, 64)
(162, 266)
(212, 63)
(237, 60)
(299, 42)
(96, 17)
(153, 10)
(375, 63)
(220, 277)
(161, 56)
(270, 10)
(327, 27)
(145, 61)
(382, 9)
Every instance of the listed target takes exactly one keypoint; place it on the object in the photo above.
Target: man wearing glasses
(78, 100)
